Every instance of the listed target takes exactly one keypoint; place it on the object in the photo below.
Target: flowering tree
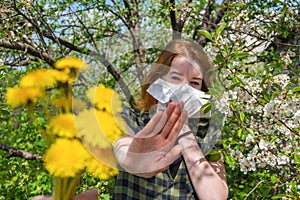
(260, 98)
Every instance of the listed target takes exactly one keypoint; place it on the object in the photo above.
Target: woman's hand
(153, 149)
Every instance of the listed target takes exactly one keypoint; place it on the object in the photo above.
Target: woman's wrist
(197, 163)
(186, 136)
(193, 153)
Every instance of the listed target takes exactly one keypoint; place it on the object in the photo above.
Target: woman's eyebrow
(175, 72)
(198, 78)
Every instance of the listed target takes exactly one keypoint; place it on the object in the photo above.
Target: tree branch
(128, 13)
(209, 22)
(260, 182)
(33, 22)
(173, 19)
(13, 152)
(27, 48)
(183, 14)
(102, 59)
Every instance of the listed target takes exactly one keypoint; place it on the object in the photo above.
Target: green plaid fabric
(173, 183)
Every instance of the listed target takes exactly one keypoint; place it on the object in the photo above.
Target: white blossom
(297, 117)
(223, 103)
(249, 139)
(282, 160)
(282, 80)
(263, 145)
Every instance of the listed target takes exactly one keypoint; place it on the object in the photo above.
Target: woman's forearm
(209, 180)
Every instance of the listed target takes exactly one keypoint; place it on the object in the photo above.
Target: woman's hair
(187, 49)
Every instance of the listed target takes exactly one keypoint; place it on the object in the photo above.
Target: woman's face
(183, 71)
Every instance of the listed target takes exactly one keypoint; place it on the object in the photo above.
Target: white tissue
(192, 98)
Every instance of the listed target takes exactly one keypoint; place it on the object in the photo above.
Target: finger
(177, 127)
(158, 121)
(166, 114)
(173, 118)
(171, 107)
(154, 125)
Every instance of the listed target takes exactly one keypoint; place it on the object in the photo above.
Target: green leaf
(296, 89)
(261, 100)
(213, 156)
(206, 34)
(277, 86)
(283, 12)
(220, 29)
(202, 2)
(231, 87)
(297, 158)
(296, 129)
(219, 59)
(239, 133)
(266, 96)
(206, 108)
(274, 95)
(273, 179)
(2, 67)
(226, 50)
(279, 196)
(293, 185)
(229, 160)
(242, 116)
(237, 5)
(250, 131)
(239, 54)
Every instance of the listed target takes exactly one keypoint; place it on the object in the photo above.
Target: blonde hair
(179, 47)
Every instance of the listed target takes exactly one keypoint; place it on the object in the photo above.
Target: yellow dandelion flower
(100, 170)
(43, 78)
(60, 76)
(38, 78)
(71, 62)
(104, 155)
(110, 125)
(63, 125)
(104, 98)
(66, 158)
(89, 129)
(21, 96)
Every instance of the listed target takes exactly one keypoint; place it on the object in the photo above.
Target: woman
(162, 155)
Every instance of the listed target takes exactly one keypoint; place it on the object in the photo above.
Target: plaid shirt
(173, 183)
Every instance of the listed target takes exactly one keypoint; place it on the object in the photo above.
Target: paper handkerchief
(192, 98)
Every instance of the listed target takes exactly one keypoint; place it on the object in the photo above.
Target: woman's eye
(176, 78)
(195, 83)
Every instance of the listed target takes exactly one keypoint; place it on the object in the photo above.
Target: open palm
(153, 149)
